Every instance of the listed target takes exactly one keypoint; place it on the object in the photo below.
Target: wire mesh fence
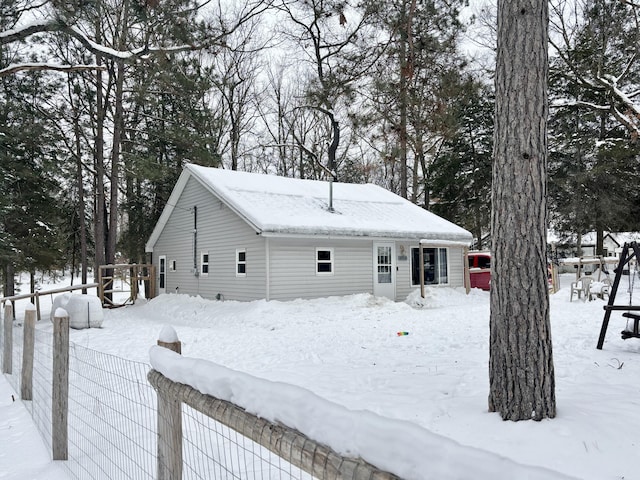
(40, 407)
(16, 362)
(250, 447)
(112, 414)
(213, 450)
(118, 412)
(112, 409)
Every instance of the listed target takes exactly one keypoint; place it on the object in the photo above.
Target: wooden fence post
(60, 388)
(169, 421)
(8, 339)
(37, 300)
(26, 384)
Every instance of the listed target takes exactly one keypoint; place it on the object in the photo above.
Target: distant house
(244, 236)
(612, 243)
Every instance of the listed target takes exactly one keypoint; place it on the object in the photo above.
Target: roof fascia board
(443, 243)
(311, 236)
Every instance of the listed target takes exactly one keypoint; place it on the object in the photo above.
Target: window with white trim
(172, 266)
(436, 268)
(324, 261)
(204, 264)
(241, 262)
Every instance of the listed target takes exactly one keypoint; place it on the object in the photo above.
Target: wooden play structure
(123, 279)
(580, 262)
(628, 265)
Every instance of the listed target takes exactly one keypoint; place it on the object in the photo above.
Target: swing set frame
(630, 251)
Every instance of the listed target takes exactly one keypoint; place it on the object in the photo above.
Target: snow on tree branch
(59, 25)
(631, 117)
(579, 103)
(137, 53)
(24, 32)
(21, 67)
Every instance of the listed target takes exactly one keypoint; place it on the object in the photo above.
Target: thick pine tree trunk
(521, 373)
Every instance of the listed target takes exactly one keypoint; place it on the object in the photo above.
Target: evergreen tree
(461, 178)
(169, 124)
(593, 141)
(30, 217)
(410, 93)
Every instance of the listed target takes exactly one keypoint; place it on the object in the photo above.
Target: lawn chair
(600, 289)
(581, 287)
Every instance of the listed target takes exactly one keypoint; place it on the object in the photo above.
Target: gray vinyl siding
(293, 268)
(456, 269)
(220, 232)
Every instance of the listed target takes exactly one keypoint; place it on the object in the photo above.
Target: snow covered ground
(346, 350)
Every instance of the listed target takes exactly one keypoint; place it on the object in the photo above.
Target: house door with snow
(162, 274)
(384, 270)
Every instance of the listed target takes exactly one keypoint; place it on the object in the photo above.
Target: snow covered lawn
(347, 351)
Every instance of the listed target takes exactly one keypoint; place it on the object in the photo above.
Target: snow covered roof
(275, 205)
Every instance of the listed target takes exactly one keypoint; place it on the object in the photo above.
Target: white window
(204, 264)
(436, 271)
(384, 264)
(324, 261)
(172, 266)
(241, 262)
(162, 273)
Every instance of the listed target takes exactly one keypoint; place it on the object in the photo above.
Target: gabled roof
(619, 238)
(283, 206)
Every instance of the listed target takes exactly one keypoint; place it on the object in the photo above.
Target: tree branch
(21, 67)
(22, 33)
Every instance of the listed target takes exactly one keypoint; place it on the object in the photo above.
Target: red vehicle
(480, 270)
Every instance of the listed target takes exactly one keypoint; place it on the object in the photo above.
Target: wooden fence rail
(36, 296)
(290, 445)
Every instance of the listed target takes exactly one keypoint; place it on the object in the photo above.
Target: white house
(244, 236)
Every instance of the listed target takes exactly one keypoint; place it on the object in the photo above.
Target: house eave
(409, 237)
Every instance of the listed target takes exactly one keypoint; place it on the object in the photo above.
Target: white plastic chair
(581, 286)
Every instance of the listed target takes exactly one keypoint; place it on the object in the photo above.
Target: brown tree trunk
(405, 70)
(521, 376)
(118, 129)
(99, 203)
(9, 280)
(82, 225)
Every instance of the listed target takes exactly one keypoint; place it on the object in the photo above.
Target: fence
(95, 411)
(254, 447)
(100, 415)
(129, 275)
(35, 297)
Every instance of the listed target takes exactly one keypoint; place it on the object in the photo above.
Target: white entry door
(162, 274)
(384, 270)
